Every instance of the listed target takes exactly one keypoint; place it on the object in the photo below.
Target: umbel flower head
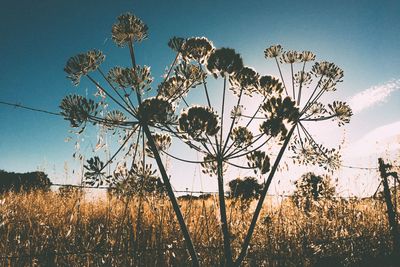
(172, 87)
(176, 44)
(302, 77)
(273, 51)
(199, 121)
(307, 56)
(77, 109)
(241, 136)
(291, 57)
(193, 74)
(114, 117)
(210, 165)
(95, 174)
(277, 111)
(186, 76)
(341, 111)
(269, 85)
(82, 64)
(139, 78)
(162, 142)
(246, 79)
(307, 152)
(224, 62)
(128, 28)
(259, 161)
(328, 70)
(196, 48)
(157, 110)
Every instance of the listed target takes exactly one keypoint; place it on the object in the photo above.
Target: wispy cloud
(373, 95)
(382, 140)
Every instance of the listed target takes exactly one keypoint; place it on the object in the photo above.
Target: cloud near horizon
(373, 95)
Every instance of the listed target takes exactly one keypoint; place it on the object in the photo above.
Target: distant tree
(10, 181)
(247, 188)
(312, 188)
(205, 196)
(188, 197)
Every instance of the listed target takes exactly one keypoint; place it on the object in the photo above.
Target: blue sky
(37, 38)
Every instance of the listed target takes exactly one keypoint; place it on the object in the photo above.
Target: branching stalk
(263, 194)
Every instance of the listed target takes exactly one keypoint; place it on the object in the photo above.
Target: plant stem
(294, 91)
(164, 175)
(301, 83)
(232, 124)
(222, 118)
(263, 194)
(280, 73)
(205, 89)
(224, 221)
(171, 195)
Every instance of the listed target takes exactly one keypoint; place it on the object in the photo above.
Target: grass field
(49, 229)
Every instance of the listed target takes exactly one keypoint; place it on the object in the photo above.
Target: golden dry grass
(47, 229)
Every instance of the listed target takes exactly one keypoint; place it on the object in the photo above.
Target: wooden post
(383, 168)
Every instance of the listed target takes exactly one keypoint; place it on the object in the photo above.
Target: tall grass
(49, 229)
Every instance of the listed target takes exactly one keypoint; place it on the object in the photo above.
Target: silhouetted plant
(246, 188)
(136, 181)
(222, 133)
(311, 189)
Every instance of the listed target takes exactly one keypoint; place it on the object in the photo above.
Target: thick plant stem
(171, 195)
(224, 221)
(263, 194)
(164, 176)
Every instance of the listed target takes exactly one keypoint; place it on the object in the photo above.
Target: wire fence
(19, 105)
(189, 192)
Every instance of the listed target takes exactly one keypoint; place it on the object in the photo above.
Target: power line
(16, 105)
(359, 168)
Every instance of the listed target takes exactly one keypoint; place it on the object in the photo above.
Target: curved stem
(205, 88)
(119, 149)
(320, 119)
(183, 160)
(301, 83)
(248, 123)
(263, 194)
(251, 151)
(232, 124)
(136, 147)
(311, 96)
(222, 117)
(116, 91)
(294, 91)
(238, 166)
(280, 73)
(238, 150)
(109, 95)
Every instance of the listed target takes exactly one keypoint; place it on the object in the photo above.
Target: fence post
(391, 212)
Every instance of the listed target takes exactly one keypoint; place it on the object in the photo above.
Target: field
(50, 229)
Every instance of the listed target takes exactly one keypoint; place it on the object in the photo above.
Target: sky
(38, 37)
